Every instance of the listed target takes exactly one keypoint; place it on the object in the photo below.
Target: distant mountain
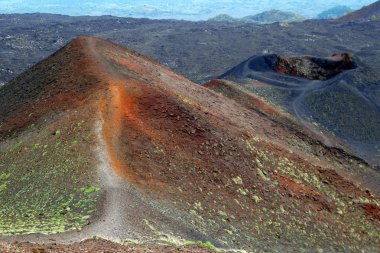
(335, 12)
(224, 18)
(265, 17)
(170, 9)
(273, 16)
(370, 12)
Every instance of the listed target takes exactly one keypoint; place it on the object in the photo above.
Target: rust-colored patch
(121, 108)
(126, 108)
(280, 69)
(372, 211)
(332, 178)
(110, 133)
(293, 186)
(213, 83)
(306, 194)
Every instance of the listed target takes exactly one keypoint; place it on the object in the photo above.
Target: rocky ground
(127, 148)
(100, 246)
(339, 95)
(110, 143)
(198, 50)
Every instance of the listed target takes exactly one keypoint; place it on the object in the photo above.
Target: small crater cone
(314, 68)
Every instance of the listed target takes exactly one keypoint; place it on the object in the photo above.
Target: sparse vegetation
(345, 113)
(44, 183)
(207, 245)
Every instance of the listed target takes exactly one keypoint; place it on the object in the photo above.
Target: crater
(314, 68)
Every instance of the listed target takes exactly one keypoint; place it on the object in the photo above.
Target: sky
(176, 9)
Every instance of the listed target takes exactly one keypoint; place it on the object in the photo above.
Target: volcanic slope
(338, 94)
(370, 12)
(98, 140)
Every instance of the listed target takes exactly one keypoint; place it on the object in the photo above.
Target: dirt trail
(125, 208)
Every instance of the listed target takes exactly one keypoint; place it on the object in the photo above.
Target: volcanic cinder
(98, 140)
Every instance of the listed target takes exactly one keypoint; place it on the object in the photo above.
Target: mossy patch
(46, 185)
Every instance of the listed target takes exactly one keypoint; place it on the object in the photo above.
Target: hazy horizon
(187, 10)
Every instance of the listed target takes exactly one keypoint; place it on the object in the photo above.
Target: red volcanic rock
(315, 68)
(373, 211)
